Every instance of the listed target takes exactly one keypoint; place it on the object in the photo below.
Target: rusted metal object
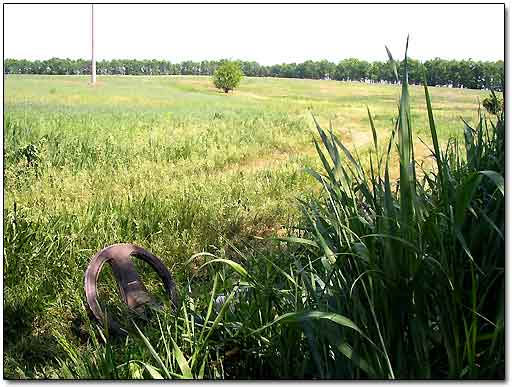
(132, 289)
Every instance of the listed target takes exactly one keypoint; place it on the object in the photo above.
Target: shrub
(227, 76)
(493, 104)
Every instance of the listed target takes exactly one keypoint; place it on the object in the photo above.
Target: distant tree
(437, 72)
(415, 69)
(454, 73)
(374, 71)
(207, 67)
(190, 68)
(251, 69)
(275, 70)
(352, 69)
(227, 76)
(497, 76)
(326, 69)
(289, 70)
(310, 70)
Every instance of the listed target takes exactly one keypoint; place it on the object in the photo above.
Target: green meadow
(174, 165)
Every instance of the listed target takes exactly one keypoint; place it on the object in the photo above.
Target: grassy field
(169, 163)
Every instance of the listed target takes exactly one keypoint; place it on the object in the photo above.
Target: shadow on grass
(26, 351)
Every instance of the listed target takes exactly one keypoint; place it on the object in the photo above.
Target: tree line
(440, 72)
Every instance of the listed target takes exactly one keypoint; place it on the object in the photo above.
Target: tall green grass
(382, 279)
(396, 280)
(417, 266)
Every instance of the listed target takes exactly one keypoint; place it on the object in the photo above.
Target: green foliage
(419, 268)
(403, 283)
(440, 72)
(335, 299)
(493, 104)
(227, 76)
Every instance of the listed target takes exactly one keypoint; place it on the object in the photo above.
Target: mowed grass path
(169, 163)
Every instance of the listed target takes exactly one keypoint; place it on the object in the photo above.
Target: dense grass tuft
(417, 266)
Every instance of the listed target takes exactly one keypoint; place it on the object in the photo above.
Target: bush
(493, 104)
(227, 76)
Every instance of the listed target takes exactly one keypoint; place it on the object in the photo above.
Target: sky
(268, 34)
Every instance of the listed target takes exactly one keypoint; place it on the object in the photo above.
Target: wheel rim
(132, 290)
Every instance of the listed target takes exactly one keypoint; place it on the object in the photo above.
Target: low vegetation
(493, 104)
(390, 266)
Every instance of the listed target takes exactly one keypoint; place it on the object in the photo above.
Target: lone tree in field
(227, 76)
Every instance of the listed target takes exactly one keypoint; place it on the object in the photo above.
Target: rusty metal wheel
(131, 288)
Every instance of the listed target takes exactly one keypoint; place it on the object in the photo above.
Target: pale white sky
(268, 34)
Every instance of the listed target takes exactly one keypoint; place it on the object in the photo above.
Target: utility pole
(93, 60)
